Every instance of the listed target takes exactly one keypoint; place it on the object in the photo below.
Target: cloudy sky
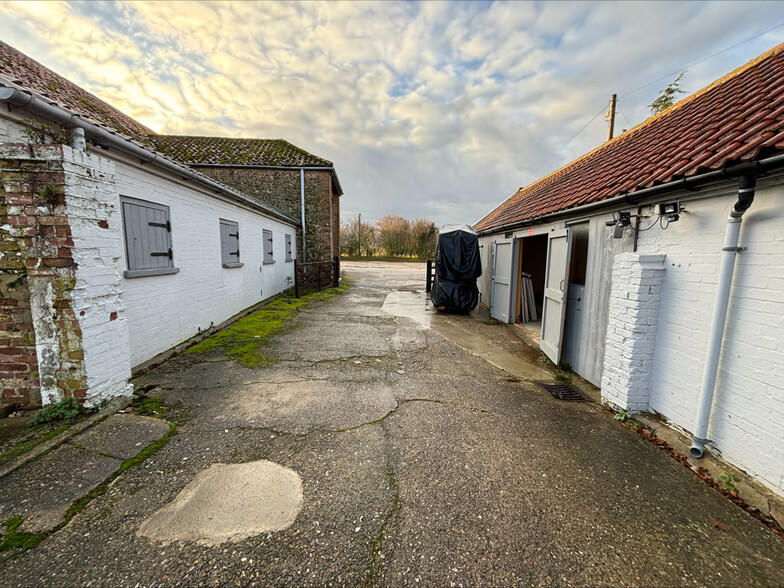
(434, 109)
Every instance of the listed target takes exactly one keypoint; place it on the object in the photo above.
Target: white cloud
(427, 109)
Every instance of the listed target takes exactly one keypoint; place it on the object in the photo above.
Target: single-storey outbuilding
(112, 252)
(657, 265)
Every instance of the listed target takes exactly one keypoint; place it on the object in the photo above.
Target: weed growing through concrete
(728, 480)
(244, 341)
(67, 409)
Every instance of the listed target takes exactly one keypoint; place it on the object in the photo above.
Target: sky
(435, 109)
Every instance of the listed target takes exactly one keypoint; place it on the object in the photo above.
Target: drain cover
(562, 392)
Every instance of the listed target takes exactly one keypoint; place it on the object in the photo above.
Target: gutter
(37, 106)
(753, 168)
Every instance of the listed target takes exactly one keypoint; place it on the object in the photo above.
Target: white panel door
(559, 248)
(501, 287)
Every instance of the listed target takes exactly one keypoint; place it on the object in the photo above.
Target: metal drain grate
(562, 392)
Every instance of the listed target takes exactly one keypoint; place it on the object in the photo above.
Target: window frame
(134, 266)
(225, 244)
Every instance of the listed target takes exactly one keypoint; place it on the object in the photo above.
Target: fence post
(318, 275)
(335, 271)
(296, 280)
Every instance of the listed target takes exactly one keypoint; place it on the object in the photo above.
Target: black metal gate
(315, 275)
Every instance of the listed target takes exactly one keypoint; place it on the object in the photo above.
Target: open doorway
(532, 258)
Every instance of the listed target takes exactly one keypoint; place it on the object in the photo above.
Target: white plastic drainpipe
(302, 201)
(79, 142)
(729, 253)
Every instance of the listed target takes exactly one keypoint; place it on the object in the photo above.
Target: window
(230, 243)
(288, 248)
(268, 256)
(148, 247)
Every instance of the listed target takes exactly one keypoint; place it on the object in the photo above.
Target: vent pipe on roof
(729, 253)
(611, 115)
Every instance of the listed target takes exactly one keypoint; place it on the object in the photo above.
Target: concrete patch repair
(229, 503)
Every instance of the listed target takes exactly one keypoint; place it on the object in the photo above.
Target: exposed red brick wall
(36, 251)
(281, 188)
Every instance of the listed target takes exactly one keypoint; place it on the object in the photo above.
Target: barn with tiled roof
(653, 267)
(738, 118)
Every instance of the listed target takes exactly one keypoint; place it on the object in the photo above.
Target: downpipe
(729, 253)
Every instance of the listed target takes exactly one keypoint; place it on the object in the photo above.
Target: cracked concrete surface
(421, 464)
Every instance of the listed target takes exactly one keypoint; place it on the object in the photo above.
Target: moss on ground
(149, 406)
(26, 446)
(245, 340)
(14, 540)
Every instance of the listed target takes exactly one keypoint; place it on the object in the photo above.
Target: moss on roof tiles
(197, 150)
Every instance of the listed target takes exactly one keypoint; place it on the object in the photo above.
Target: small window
(230, 243)
(268, 255)
(148, 247)
(288, 248)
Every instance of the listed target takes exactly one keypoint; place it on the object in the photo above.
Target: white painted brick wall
(164, 311)
(747, 421)
(91, 197)
(631, 330)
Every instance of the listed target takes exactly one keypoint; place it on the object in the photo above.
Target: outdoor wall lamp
(670, 210)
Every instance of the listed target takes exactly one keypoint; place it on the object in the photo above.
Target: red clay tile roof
(228, 151)
(27, 73)
(737, 118)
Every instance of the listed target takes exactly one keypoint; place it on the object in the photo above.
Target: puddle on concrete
(229, 503)
(410, 304)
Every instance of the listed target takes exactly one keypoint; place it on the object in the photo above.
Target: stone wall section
(281, 188)
(41, 359)
(631, 330)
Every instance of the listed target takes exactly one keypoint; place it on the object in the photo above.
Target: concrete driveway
(417, 462)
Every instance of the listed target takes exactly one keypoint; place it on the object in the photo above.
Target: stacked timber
(528, 303)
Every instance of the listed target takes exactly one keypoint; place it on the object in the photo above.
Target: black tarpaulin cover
(457, 267)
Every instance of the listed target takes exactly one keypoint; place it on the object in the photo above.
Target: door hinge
(162, 253)
(166, 225)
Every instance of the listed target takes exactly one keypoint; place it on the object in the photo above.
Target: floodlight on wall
(670, 210)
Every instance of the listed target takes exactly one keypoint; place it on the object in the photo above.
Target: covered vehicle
(457, 266)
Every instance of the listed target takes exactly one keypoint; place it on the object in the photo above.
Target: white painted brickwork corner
(96, 227)
(631, 330)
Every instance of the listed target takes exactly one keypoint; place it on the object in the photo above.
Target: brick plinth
(631, 330)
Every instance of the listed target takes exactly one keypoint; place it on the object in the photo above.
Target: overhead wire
(665, 77)
(679, 70)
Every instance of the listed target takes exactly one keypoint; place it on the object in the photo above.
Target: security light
(671, 210)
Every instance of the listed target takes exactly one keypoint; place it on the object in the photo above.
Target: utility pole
(611, 114)
(359, 234)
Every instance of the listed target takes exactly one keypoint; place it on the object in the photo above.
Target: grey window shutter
(147, 235)
(230, 242)
(267, 247)
(288, 247)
